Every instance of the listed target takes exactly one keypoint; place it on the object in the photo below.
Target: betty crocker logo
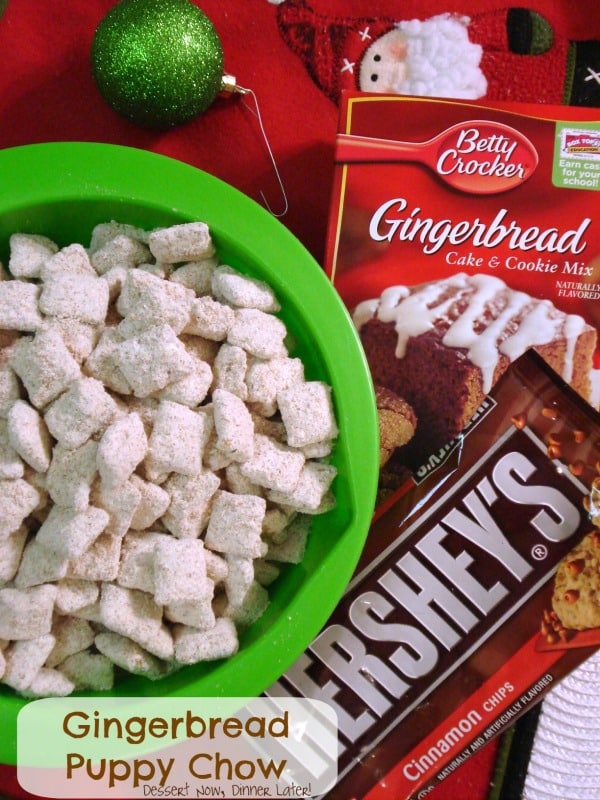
(476, 156)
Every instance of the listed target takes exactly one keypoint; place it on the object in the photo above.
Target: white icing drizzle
(518, 320)
(412, 313)
(364, 312)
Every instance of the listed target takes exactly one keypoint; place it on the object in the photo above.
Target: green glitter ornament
(158, 62)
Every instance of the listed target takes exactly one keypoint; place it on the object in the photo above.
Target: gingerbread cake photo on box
(442, 346)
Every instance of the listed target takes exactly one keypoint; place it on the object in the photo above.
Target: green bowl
(62, 190)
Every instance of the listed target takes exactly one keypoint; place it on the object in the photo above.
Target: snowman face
(383, 67)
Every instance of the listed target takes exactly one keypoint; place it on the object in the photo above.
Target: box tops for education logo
(580, 143)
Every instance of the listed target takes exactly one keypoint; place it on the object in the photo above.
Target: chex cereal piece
(196, 275)
(26, 613)
(11, 549)
(10, 391)
(19, 306)
(28, 251)
(265, 572)
(120, 503)
(76, 296)
(308, 494)
(259, 333)
(209, 318)
(192, 645)
(153, 359)
(240, 290)
(253, 606)
(195, 613)
(273, 465)
(276, 522)
(265, 378)
(18, 499)
(216, 567)
(44, 365)
(71, 474)
(200, 347)
(318, 449)
(233, 425)
(179, 571)
(307, 413)
(235, 525)
(136, 570)
(135, 614)
(89, 670)
(49, 683)
(154, 501)
(122, 250)
(240, 577)
(147, 300)
(145, 407)
(291, 549)
(40, 564)
(74, 594)
(85, 409)
(230, 368)
(69, 532)
(11, 465)
(100, 562)
(115, 277)
(71, 636)
(215, 459)
(190, 241)
(70, 260)
(24, 659)
(177, 439)
(103, 364)
(123, 446)
(80, 338)
(157, 269)
(189, 510)
(105, 231)
(129, 656)
(90, 612)
(39, 481)
(193, 388)
(238, 483)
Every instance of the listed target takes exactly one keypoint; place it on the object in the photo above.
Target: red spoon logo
(477, 156)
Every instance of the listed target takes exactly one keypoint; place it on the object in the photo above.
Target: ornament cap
(229, 86)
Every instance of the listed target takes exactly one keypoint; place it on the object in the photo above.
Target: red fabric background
(47, 94)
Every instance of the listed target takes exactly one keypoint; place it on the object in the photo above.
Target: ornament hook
(230, 86)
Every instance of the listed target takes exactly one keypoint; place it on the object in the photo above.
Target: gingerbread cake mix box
(461, 234)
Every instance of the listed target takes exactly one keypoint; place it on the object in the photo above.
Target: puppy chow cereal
(161, 456)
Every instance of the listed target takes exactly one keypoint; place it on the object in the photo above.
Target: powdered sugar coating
(141, 436)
